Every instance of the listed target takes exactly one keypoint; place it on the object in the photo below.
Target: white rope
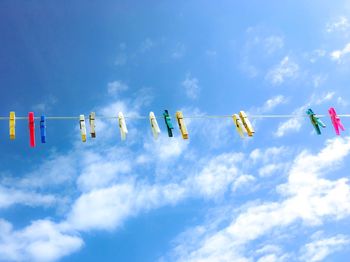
(161, 117)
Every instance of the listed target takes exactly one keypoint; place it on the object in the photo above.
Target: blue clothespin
(43, 129)
(315, 121)
(168, 123)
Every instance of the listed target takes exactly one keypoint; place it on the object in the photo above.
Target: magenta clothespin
(336, 121)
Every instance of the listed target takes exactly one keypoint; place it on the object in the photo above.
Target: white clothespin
(154, 125)
(82, 128)
(92, 124)
(122, 126)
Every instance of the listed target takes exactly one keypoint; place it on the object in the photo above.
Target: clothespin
(336, 121)
(43, 129)
(239, 125)
(154, 125)
(92, 124)
(315, 121)
(168, 123)
(122, 126)
(82, 128)
(31, 125)
(246, 123)
(182, 126)
(12, 124)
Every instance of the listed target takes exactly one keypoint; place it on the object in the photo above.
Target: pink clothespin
(335, 121)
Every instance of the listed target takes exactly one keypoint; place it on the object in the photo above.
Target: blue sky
(283, 195)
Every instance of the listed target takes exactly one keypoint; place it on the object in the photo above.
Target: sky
(282, 195)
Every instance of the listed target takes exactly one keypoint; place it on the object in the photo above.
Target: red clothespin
(335, 121)
(31, 129)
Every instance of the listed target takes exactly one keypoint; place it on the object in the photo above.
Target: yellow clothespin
(182, 126)
(239, 125)
(154, 125)
(82, 128)
(92, 124)
(12, 125)
(246, 123)
(122, 126)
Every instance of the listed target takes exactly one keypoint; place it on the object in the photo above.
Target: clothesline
(161, 117)
(241, 122)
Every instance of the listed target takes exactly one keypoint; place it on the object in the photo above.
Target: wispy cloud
(319, 249)
(191, 86)
(340, 24)
(147, 45)
(179, 51)
(272, 103)
(306, 196)
(43, 241)
(286, 69)
(116, 87)
(260, 46)
(10, 196)
(46, 105)
(338, 55)
(121, 57)
(294, 124)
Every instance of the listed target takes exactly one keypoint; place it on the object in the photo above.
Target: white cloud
(271, 154)
(273, 43)
(340, 24)
(211, 53)
(179, 51)
(46, 105)
(337, 55)
(10, 196)
(113, 204)
(294, 124)
(307, 196)
(116, 87)
(121, 59)
(191, 86)
(319, 249)
(260, 46)
(243, 181)
(272, 103)
(342, 102)
(146, 45)
(284, 70)
(165, 148)
(268, 258)
(319, 99)
(270, 169)
(42, 241)
(318, 80)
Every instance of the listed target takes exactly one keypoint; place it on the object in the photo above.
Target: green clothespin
(315, 121)
(168, 123)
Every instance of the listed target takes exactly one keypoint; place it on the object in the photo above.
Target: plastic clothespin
(31, 125)
(92, 124)
(43, 129)
(12, 124)
(168, 123)
(315, 121)
(122, 126)
(246, 123)
(82, 127)
(239, 125)
(154, 125)
(336, 121)
(182, 126)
